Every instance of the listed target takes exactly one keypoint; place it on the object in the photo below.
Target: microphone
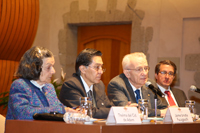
(148, 84)
(155, 90)
(194, 88)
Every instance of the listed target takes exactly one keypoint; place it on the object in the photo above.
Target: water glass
(190, 104)
(86, 106)
(143, 108)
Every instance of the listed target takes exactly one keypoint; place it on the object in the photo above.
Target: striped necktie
(91, 97)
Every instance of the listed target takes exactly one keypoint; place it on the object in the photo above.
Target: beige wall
(175, 23)
(50, 22)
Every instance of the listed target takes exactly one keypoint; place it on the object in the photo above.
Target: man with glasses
(86, 82)
(165, 72)
(128, 87)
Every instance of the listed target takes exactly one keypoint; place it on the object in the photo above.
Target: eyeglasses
(140, 69)
(165, 73)
(97, 68)
(48, 68)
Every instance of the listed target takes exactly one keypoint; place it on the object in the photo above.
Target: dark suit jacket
(179, 96)
(120, 92)
(73, 89)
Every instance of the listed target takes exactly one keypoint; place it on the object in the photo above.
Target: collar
(163, 89)
(86, 87)
(133, 87)
(37, 85)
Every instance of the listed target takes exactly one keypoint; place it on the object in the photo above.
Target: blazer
(25, 100)
(120, 93)
(179, 96)
(73, 89)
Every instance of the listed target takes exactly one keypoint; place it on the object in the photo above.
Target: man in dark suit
(89, 68)
(165, 72)
(128, 87)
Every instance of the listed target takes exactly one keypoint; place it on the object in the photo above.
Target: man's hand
(67, 109)
(129, 104)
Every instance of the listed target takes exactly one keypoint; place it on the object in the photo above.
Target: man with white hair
(128, 87)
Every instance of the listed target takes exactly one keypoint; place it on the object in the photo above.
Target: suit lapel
(145, 93)
(164, 101)
(130, 90)
(131, 93)
(81, 86)
(95, 91)
(95, 96)
(175, 96)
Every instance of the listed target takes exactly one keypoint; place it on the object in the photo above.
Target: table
(36, 126)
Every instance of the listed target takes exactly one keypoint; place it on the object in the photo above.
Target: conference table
(41, 126)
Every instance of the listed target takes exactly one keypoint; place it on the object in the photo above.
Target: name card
(178, 115)
(121, 115)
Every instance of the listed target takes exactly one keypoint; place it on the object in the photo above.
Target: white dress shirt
(37, 85)
(87, 88)
(134, 89)
(163, 91)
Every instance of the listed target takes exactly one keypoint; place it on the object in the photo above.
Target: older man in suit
(87, 82)
(128, 87)
(165, 72)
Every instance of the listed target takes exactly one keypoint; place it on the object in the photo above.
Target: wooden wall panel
(18, 26)
(105, 46)
(7, 70)
(9, 24)
(4, 23)
(19, 21)
(34, 13)
(0, 9)
(116, 32)
(19, 32)
(23, 33)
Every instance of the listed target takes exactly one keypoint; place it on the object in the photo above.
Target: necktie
(137, 95)
(91, 97)
(170, 99)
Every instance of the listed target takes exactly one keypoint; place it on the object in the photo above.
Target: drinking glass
(143, 108)
(86, 106)
(190, 104)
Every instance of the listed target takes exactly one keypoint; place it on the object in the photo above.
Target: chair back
(2, 123)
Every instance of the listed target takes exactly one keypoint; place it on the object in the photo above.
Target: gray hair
(130, 57)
